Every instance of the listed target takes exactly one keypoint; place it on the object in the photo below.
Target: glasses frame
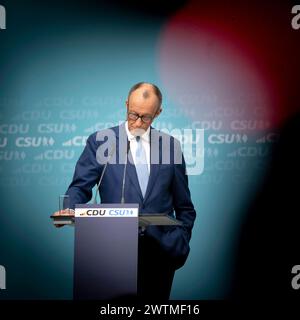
(138, 116)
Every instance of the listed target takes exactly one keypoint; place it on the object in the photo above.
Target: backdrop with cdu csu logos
(65, 72)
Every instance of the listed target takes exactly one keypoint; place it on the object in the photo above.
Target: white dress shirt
(145, 139)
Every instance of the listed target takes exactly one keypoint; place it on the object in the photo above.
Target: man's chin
(137, 131)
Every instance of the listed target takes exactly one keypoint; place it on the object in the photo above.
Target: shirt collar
(145, 136)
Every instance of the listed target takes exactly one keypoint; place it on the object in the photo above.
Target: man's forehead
(144, 97)
(144, 91)
(141, 109)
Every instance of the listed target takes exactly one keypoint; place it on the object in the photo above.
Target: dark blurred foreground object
(269, 244)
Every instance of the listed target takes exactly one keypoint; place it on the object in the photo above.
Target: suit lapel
(155, 157)
(153, 176)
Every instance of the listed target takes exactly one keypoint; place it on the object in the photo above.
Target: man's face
(142, 102)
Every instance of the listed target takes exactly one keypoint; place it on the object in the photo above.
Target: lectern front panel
(106, 252)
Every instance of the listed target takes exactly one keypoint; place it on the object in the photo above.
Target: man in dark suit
(155, 179)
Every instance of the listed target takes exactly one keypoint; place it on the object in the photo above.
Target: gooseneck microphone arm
(102, 174)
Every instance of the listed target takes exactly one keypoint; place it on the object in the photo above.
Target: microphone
(124, 173)
(102, 174)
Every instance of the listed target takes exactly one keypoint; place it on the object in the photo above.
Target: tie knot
(137, 138)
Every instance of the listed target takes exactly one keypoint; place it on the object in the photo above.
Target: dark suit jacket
(167, 191)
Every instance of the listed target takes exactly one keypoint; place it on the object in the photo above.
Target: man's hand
(65, 212)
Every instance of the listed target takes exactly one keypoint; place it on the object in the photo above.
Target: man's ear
(158, 112)
(126, 104)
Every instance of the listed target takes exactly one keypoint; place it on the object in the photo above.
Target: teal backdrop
(65, 71)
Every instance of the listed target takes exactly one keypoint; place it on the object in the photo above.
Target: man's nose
(139, 122)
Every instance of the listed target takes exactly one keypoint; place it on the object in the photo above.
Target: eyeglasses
(134, 116)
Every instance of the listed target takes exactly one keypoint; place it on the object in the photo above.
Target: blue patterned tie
(141, 166)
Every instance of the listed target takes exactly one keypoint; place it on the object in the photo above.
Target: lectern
(106, 249)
